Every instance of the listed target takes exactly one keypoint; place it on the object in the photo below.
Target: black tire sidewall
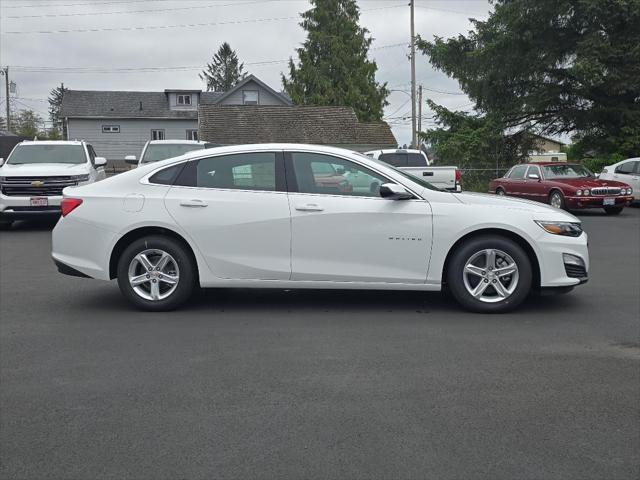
(185, 264)
(455, 281)
(613, 210)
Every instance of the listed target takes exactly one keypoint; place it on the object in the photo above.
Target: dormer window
(250, 97)
(184, 99)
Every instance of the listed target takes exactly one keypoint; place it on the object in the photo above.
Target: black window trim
(281, 186)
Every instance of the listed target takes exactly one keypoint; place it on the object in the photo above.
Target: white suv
(35, 173)
(156, 150)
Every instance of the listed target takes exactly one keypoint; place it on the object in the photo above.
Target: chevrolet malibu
(258, 216)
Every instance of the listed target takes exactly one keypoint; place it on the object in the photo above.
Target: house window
(157, 134)
(184, 99)
(250, 97)
(110, 128)
(192, 134)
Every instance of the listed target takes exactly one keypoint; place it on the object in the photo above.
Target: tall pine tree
(333, 67)
(55, 103)
(224, 71)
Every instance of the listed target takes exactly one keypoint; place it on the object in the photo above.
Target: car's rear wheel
(489, 274)
(556, 200)
(5, 224)
(156, 273)
(613, 210)
(500, 191)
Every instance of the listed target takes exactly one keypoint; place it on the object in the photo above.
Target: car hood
(587, 182)
(42, 169)
(499, 201)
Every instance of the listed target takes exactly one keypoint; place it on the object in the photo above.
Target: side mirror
(1, 161)
(393, 191)
(99, 161)
(533, 176)
(131, 159)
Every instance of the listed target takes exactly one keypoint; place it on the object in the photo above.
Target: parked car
(156, 150)
(35, 173)
(564, 186)
(627, 171)
(199, 219)
(416, 163)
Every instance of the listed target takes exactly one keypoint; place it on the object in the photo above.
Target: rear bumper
(596, 202)
(67, 270)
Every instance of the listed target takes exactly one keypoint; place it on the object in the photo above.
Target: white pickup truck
(35, 173)
(416, 163)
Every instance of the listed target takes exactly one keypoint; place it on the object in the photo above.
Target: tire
(556, 199)
(613, 210)
(500, 191)
(5, 224)
(516, 286)
(174, 282)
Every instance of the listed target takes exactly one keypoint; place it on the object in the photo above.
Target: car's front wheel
(489, 274)
(556, 200)
(156, 273)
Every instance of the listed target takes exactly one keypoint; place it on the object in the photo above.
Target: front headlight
(579, 192)
(81, 178)
(586, 193)
(567, 229)
(629, 191)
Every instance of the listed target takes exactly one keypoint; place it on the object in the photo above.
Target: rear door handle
(193, 203)
(309, 207)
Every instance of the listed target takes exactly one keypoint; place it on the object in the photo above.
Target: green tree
(27, 123)
(3, 123)
(563, 66)
(333, 68)
(224, 71)
(55, 103)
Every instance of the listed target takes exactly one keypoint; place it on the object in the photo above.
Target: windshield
(47, 154)
(417, 180)
(155, 153)
(566, 171)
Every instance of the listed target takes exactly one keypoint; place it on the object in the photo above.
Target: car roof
(545, 164)
(395, 150)
(51, 142)
(176, 142)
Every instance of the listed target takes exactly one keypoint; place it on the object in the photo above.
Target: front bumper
(596, 202)
(19, 208)
(552, 254)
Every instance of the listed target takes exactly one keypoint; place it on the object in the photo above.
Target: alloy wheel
(490, 275)
(556, 200)
(153, 274)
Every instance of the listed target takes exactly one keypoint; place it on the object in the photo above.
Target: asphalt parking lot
(319, 384)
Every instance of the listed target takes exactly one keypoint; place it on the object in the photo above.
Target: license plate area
(608, 201)
(39, 202)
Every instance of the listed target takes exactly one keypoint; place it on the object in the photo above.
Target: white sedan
(258, 216)
(627, 171)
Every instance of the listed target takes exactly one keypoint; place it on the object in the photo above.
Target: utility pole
(414, 141)
(419, 111)
(5, 72)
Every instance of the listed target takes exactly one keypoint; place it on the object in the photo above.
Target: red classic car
(563, 185)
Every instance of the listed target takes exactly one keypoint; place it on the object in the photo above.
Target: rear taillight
(68, 205)
(458, 176)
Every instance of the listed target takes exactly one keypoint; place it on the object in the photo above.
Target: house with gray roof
(119, 123)
(319, 125)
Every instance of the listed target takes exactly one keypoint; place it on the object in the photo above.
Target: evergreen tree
(563, 66)
(225, 70)
(333, 68)
(55, 103)
(27, 123)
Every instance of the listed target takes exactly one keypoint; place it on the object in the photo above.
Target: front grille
(23, 186)
(575, 271)
(605, 191)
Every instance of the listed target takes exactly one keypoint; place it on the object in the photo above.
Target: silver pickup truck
(416, 163)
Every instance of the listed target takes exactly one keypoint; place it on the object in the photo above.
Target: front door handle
(309, 207)
(193, 203)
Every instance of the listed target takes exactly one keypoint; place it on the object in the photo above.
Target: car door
(515, 183)
(629, 173)
(532, 188)
(353, 236)
(235, 209)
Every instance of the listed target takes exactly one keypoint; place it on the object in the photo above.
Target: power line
(119, 12)
(181, 25)
(88, 4)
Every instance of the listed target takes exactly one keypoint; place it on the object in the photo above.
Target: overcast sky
(103, 44)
